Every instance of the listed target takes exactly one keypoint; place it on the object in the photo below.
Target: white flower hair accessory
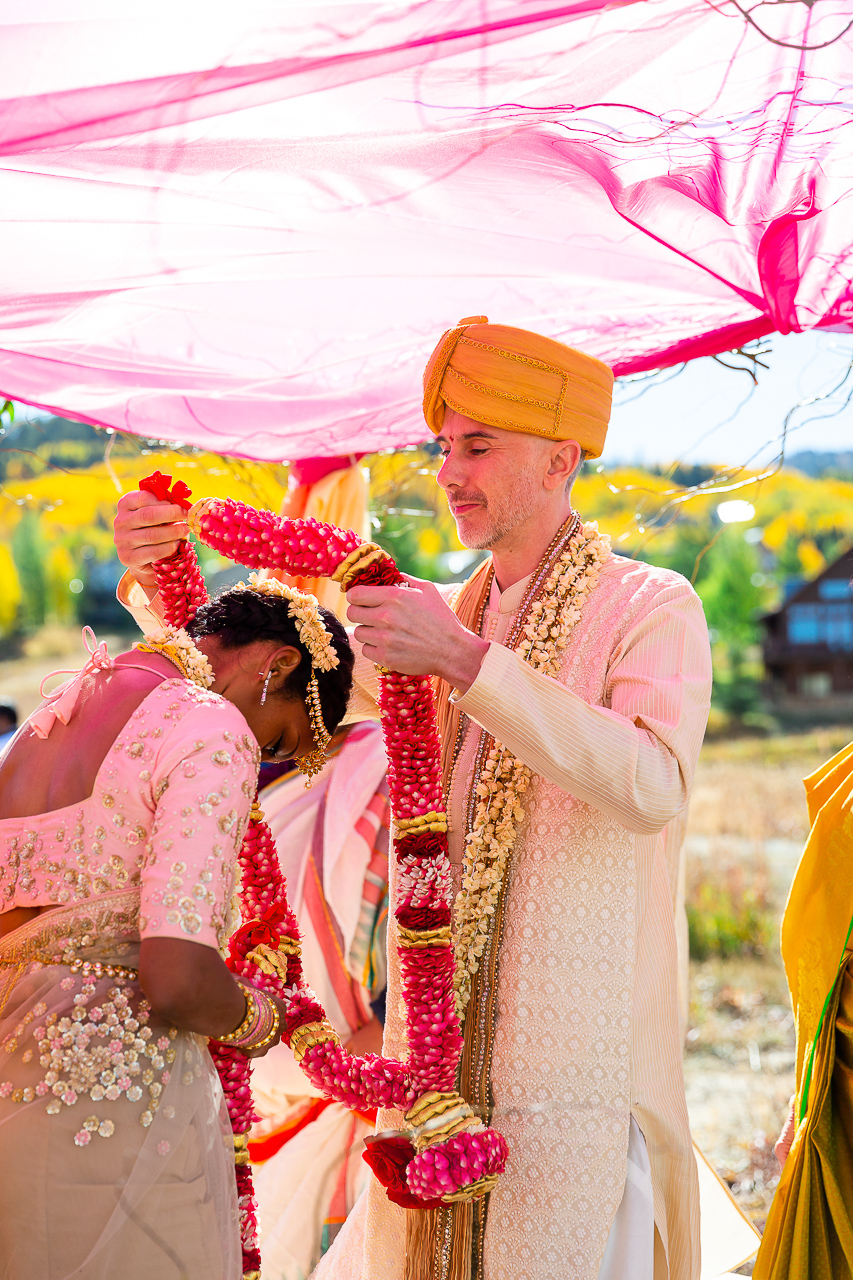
(176, 645)
(305, 611)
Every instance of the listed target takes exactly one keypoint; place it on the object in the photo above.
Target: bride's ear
(282, 663)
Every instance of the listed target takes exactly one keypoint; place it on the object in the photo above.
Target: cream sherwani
(587, 1033)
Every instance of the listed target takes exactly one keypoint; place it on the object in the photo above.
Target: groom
(571, 1028)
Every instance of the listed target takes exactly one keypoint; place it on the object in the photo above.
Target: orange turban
(517, 380)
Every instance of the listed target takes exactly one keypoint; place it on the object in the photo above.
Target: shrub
(729, 908)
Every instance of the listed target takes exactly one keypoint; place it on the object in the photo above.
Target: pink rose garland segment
(446, 1153)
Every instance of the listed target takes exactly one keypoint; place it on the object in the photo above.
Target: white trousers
(630, 1252)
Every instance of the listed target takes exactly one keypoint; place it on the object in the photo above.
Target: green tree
(731, 593)
(28, 551)
(734, 597)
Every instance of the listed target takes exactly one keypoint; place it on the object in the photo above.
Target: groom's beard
(493, 519)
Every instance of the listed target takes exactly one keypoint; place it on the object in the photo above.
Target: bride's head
(273, 655)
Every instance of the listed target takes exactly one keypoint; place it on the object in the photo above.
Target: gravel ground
(739, 1073)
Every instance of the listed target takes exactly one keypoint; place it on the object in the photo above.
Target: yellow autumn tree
(10, 590)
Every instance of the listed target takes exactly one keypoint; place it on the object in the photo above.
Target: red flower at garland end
(159, 485)
(389, 1154)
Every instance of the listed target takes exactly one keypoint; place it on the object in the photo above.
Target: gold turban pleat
(520, 381)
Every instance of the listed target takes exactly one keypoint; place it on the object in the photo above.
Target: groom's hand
(146, 529)
(413, 630)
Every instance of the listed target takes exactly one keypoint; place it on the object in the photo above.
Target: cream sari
(113, 1132)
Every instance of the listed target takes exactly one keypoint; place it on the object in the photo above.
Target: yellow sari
(809, 1230)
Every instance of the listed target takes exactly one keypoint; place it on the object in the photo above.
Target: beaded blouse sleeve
(203, 780)
(634, 759)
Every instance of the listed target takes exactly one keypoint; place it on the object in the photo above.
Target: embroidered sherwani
(583, 1028)
(585, 1032)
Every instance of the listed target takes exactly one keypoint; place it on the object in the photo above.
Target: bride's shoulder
(188, 719)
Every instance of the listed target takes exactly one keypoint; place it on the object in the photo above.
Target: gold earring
(313, 762)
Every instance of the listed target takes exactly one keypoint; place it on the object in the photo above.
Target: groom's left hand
(413, 630)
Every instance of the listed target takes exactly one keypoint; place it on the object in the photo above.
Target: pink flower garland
(446, 1150)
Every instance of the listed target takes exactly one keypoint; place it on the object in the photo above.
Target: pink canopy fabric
(243, 226)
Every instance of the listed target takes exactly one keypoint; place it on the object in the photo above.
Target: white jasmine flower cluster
(305, 611)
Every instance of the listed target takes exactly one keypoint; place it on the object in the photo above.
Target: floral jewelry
(176, 645)
(305, 612)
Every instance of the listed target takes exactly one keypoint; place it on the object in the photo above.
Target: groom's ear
(565, 462)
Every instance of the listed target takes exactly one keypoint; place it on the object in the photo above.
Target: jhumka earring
(314, 761)
(266, 685)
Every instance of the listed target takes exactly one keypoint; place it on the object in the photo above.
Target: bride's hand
(282, 1024)
(786, 1137)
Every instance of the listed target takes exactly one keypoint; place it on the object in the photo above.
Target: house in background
(808, 644)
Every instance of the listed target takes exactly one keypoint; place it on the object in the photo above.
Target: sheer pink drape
(243, 225)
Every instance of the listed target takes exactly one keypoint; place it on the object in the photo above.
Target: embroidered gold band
(357, 561)
(474, 1190)
(409, 938)
(311, 1033)
(436, 1116)
(273, 961)
(432, 821)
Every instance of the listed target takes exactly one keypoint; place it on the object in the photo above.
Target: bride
(124, 800)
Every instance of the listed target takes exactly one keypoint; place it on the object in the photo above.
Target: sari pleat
(809, 1230)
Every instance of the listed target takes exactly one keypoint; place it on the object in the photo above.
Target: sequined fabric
(113, 1136)
(180, 854)
(113, 1122)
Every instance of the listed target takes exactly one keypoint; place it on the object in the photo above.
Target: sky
(710, 414)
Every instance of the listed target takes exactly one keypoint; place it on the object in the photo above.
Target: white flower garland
(175, 644)
(504, 778)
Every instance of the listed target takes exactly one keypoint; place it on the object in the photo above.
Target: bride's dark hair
(241, 617)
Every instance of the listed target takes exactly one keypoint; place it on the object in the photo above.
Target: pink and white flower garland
(445, 1152)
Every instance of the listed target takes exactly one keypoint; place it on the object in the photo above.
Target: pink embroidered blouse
(168, 813)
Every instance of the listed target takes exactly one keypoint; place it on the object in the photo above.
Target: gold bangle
(249, 1017)
(260, 1025)
(262, 1044)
